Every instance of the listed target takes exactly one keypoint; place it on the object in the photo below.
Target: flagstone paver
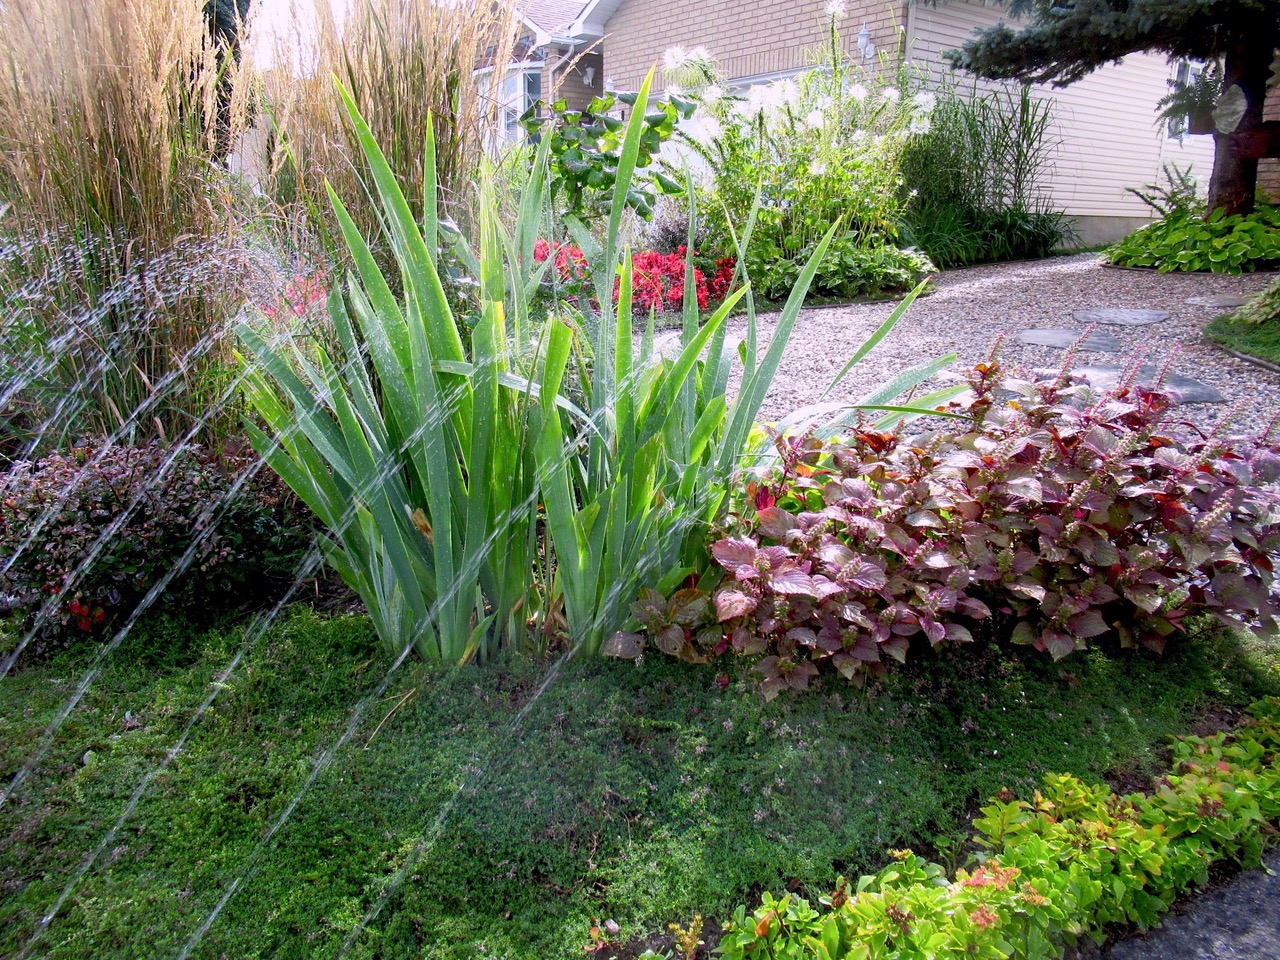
(1055, 337)
(1120, 316)
(1182, 388)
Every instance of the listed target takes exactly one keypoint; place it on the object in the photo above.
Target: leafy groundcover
(1072, 860)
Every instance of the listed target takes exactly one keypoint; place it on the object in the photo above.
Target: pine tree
(1065, 40)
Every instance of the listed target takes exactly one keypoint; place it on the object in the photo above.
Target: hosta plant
(1061, 514)
(1216, 243)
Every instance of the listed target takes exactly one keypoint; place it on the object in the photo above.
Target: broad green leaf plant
(524, 479)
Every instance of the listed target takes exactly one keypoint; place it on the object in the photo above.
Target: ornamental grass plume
(114, 118)
(406, 63)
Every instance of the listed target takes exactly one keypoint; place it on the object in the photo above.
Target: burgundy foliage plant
(1057, 514)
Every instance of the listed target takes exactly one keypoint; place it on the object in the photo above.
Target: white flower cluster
(770, 99)
(836, 9)
(923, 104)
(690, 68)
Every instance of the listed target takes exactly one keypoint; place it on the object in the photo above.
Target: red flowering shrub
(1067, 515)
(68, 501)
(657, 281)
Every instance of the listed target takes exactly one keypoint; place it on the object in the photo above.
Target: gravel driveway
(971, 308)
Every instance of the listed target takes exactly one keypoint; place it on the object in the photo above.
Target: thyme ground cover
(638, 793)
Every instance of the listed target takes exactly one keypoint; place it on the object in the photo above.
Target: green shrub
(850, 268)
(1217, 243)
(956, 237)
(1071, 862)
(86, 534)
(803, 155)
(586, 147)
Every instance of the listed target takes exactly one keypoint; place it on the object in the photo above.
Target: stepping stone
(1224, 302)
(1046, 337)
(1183, 389)
(1120, 317)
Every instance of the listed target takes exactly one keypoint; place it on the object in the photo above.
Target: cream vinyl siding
(1105, 123)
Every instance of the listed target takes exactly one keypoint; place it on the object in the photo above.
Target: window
(1186, 77)
(521, 89)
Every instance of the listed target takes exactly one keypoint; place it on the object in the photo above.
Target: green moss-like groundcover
(641, 793)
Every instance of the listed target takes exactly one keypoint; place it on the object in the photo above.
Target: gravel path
(971, 308)
(1238, 921)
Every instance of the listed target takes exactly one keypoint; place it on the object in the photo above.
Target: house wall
(1105, 124)
(565, 75)
(1269, 168)
(748, 39)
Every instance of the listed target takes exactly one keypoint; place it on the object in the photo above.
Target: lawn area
(534, 794)
(1260, 340)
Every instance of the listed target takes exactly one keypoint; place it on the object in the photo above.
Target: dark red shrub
(248, 540)
(1071, 516)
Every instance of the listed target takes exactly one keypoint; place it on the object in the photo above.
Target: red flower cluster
(84, 617)
(299, 295)
(720, 282)
(657, 279)
(571, 262)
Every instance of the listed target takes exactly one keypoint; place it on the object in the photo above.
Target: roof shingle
(552, 16)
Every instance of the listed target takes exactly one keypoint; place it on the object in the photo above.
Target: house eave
(591, 23)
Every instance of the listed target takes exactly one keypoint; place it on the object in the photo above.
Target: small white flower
(817, 169)
(858, 92)
(760, 98)
(890, 94)
(674, 58)
(787, 92)
(713, 93)
(920, 125)
(815, 119)
(711, 130)
(836, 9)
(924, 100)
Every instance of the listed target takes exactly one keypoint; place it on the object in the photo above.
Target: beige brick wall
(748, 39)
(1269, 168)
(565, 75)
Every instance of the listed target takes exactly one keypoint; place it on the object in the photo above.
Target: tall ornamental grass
(978, 179)
(113, 249)
(405, 64)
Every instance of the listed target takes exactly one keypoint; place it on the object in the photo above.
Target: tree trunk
(1235, 173)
